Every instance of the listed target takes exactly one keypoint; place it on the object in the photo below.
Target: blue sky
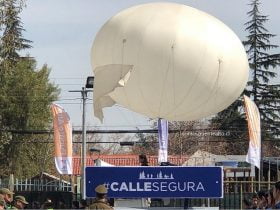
(63, 32)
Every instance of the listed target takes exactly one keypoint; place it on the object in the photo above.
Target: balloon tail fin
(107, 79)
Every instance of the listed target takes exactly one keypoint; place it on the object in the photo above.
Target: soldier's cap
(6, 191)
(21, 199)
(2, 201)
(101, 189)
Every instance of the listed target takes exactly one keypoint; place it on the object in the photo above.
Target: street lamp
(127, 143)
(90, 81)
(92, 150)
(84, 91)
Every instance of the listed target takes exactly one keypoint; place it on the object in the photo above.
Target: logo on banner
(159, 182)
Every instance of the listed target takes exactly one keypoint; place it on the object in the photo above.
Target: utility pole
(84, 92)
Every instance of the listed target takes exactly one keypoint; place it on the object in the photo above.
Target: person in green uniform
(7, 195)
(100, 201)
(2, 203)
(19, 202)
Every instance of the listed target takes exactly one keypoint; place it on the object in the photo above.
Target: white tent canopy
(99, 162)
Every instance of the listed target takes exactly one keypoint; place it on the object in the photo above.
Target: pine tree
(263, 64)
(12, 41)
(232, 120)
(260, 87)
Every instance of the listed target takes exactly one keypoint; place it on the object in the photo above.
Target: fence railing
(46, 185)
(234, 192)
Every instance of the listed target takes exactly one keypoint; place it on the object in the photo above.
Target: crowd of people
(264, 199)
(9, 201)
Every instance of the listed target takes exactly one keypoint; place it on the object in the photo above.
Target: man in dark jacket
(100, 201)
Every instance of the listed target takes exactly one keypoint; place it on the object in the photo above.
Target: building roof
(122, 160)
(47, 176)
(203, 158)
(200, 158)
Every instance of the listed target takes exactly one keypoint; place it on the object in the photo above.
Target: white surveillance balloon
(167, 60)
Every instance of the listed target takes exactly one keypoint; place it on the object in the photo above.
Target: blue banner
(156, 182)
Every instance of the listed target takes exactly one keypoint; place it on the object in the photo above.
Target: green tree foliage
(12, 40)
(260, 86)
(232, 120)
(25, 96)
(29, 94)
(263, 65)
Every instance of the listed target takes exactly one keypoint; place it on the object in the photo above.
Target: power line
(80, 131)
(149, 142)
(148, 131)
(74, 78)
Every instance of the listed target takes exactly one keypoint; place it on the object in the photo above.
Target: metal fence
(45, 185)
(234, 193)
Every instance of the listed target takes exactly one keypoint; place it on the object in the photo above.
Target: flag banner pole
(62, 140)
(163, 140)
(254, 128)
(254, 154)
